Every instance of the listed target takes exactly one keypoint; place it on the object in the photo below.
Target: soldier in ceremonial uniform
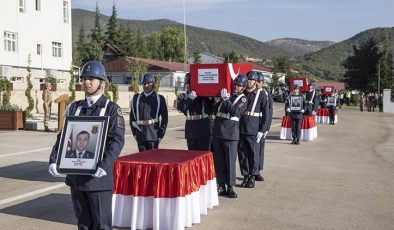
(198, 123)
(295, 115)
(311, 99)
(262, 84)
(92, 194)
(253, 126)
(148, 116)
(332, 104)
(226, 134)
(47, 104)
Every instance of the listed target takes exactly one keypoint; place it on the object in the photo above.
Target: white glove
(259, 136)
(53, 171)
(302, 111)
(224, 94)
(313, 113)
(99, 173)
(192, 95)
(288, 110)
(158, 140)
(265, 134)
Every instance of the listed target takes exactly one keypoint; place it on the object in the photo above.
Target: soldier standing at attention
(148, 116)
(253, 125)
(47, 104)
(92, 194)
(226, 134)
(296, 115)
(332, 104)
(197, 109)
(310, 99)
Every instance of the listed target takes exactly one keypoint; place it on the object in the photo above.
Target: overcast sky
(264, 20)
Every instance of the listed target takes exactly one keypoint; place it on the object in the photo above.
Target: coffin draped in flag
(308, 128)
(322, 116)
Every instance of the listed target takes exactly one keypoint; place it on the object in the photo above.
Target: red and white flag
(70, 142)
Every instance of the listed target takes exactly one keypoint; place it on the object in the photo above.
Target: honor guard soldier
(253, 125)
(47, 104)
(322, 99)
(198, 123)
(332, 104)
(311, 99)
(295, 108)
(226, 134)
(92, 194)
(262, 84)
(148, 116)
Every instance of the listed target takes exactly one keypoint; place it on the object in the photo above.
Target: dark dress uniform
(226, 136)
(269, 122)
(296, 118)
(310, 98)
(253, 120)
(148, 119)
(332, 104)
(92, 197)
(198, 130)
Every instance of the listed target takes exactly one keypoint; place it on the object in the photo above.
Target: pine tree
(82, 48)
(28, 89)
(96, 51)
(112, 33)
(386, 67)
(172, 42)
(196, 57)
(154, 46)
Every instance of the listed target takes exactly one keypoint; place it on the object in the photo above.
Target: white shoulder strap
(158, 106)
(255, 101)
(137, 115)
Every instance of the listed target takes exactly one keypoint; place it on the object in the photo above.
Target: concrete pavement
(341, 180)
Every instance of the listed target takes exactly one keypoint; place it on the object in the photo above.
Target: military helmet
(148, 78)
(252, 75)
(241, 80)
(187, 78)
(260, 76)
(93, 69)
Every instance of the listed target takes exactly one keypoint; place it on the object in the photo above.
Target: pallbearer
(295, 106)
(332, 104)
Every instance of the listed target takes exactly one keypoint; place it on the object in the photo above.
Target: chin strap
(98, 88)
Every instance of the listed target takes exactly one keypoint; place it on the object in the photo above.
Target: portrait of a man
(80, 152)
(295, 103)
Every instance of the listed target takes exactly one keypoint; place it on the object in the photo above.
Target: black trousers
(249, 155)
(296, 127)
(225, 157)
(93, 209)
(331, 114)
(262, 148)
(199, 144)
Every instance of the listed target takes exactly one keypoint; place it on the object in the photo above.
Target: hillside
(299, 47)
(326, 63)
(200, 39)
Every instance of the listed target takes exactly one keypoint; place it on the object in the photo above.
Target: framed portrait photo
(82, 144)
(296, 103)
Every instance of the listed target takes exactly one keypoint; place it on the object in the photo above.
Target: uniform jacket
(295, 114)
(86, 155)
(113, 145)
(251, 125)
(271, 109)
(200, 106)
(336, 99)
(147, 109)
(311, 100)
(228, 129)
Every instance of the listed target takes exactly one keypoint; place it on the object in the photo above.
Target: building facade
(41, 30)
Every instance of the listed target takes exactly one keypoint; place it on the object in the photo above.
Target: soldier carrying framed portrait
(82, 144)
(295, 103)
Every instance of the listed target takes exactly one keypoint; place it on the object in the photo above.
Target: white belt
(146, 122)
(248, 113)
(227, 116)
(194, 117)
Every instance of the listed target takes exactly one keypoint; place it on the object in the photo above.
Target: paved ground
(341, 180)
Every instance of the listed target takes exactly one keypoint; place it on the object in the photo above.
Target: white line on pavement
(24, 152)
(23, 196)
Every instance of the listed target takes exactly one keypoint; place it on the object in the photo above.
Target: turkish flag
(70, 142)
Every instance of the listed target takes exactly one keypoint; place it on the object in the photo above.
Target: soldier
(332, 104)
(322, 99)
(47, 104)
(92, 194)
(295, 115)
(198, 124)
(262, 84)
(310, 99)
(148, 116)
(226, 134)
(253, 126)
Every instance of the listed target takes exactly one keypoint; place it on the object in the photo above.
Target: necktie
(80, 155)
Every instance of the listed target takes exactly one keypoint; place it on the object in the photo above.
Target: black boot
(231, 193)
(47, 129)
(297, 142)
(293, 141)
(250, 183)
(259, 177)
(244, 182)
(222, 190)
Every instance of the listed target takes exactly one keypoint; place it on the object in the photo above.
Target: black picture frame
(296, 103)
(91, 133)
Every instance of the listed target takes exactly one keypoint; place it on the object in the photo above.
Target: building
(41, 30)
(207, 58)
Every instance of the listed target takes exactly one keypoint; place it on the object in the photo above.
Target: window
(56, 49)
(39, 49)
(65, 11)
(10, 41)
(38, 5)
(17, 79)
(22, 6)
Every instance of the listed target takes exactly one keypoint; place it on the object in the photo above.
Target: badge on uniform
(119, 111)
(119, 119)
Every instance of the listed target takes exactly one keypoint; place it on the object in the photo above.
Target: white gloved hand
(302, 111)
(265, 134)
(53, 171)
(313, 113)
(224, 94)
(192, 95)
(99, 173)
(158, 140)
(259, 136)
(288, 110)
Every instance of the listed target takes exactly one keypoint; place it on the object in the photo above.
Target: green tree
(28, 89)
(282, 65)
(126, 44)
(173, 43)
(154, 46)
(5, 93)
(71, 86)
(196, 57)
(82, 48)
(112, 33)
(139, 45)
(96, 50)
(136, 69)
(361, 68)
(231, 57)
(386, 67)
